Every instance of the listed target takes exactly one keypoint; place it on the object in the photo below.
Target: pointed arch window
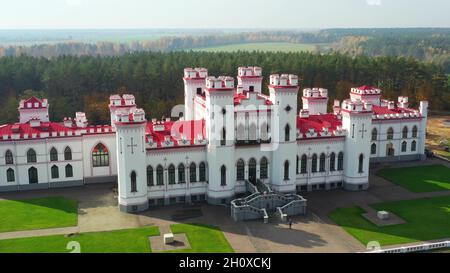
(100, 156)
(133, 181)
(240, 170)
(413, 146)
(340, 161)
(314, 163)
(9, 159)
(263, 168)
(69, 170)
(361, 163)
(33, 177)
(10, 177)
(390, 133)
(304, 163)
(404, 146)
(322, 163)
(287, 132)
(297, 167)
(181, 173)
(374, 134)
(53, 154)
(414, 131)
(373, 149)
(150, 176)
(202, 171)
(67, 153)
(405, 132)
(54, 171)
(171, 174)
(223, 138)
(31, 156)
(223, 175)
(332, 162)
(286, 170)
(159, 175)
(193, 172)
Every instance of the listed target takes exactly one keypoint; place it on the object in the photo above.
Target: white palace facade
(227, 136)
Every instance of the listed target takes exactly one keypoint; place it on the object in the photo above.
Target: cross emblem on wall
(362, 131)
(132, 145)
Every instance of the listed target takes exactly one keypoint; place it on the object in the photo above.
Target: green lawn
(118, 241)
(419, 179)
(283, 47)
(203, 238)
(426, 219)
(50, 212)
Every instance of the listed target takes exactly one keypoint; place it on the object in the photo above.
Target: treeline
(84, 83)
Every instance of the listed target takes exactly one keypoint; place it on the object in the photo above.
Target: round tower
(357, 120)
(194, 82)
(131, 158)
(283, 94)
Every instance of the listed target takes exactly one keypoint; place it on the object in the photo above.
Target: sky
(312, 14)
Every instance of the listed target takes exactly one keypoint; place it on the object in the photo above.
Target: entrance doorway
(390, 149)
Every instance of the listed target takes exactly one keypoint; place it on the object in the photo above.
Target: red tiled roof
(243, 96)
(380, 110)
(175, 130)
(32, 100)
(318, 122)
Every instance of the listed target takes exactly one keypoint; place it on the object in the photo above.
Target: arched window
(54, 171)
(33, 175)
(69, 170)
(171, 174)
(332, 162)
(340, 161)
(240, 170)
(181, 173)
(10, 177)
(297, 165)
(405, 132)
(361, 163)
(414, 131)
(373, 149)
(53, 154)
(202, 171)
(322, 163)
(223, 138)
(252, 170)
(263, 166)
(159, 175)
(133, 181)
(223, 175)
(252, 132)
(287, 132)
(314, 163)
(150, 176)
(67, 153)
(374, 134)
(286, 170)
(390, 133)
(193, 172)
(100, 156)
(264, 132)
(413, 146)
(304, 164)
(31, 156)
(404, 146)
(9, 158)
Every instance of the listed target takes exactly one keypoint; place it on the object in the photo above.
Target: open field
(282, 47)
(39, 213)
(437, 131)
(118, 241)
(419, 179)
(426, 219)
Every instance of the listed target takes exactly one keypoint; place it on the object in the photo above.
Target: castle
(224, 138)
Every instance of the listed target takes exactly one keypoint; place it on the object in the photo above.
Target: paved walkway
(314, 232)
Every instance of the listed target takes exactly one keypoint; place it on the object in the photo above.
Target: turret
(194, 82)
(283, 94)
(118, 104)
(33, 108)
(366, 93)
(315, 100)
(357, 120)
(249, 79)
(403, 102)
(131, 166)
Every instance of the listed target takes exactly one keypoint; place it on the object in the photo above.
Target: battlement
(195, 73)
(349, 105)
(81, 120)
(366, 90)
(403, 102)
(250, 71)
(135, 116)
(222, 82)
(283, 80)
(315, 93)
(126, 100)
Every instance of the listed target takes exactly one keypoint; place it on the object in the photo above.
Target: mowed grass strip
(203, 238)
(39, 213)
(426, 219)
(118, 241)
(420, 178)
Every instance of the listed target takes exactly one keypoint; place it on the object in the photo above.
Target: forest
(84, 83)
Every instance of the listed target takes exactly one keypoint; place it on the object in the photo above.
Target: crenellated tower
(315, 100)
(249, 79)
(194, 83)
(118, 104)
